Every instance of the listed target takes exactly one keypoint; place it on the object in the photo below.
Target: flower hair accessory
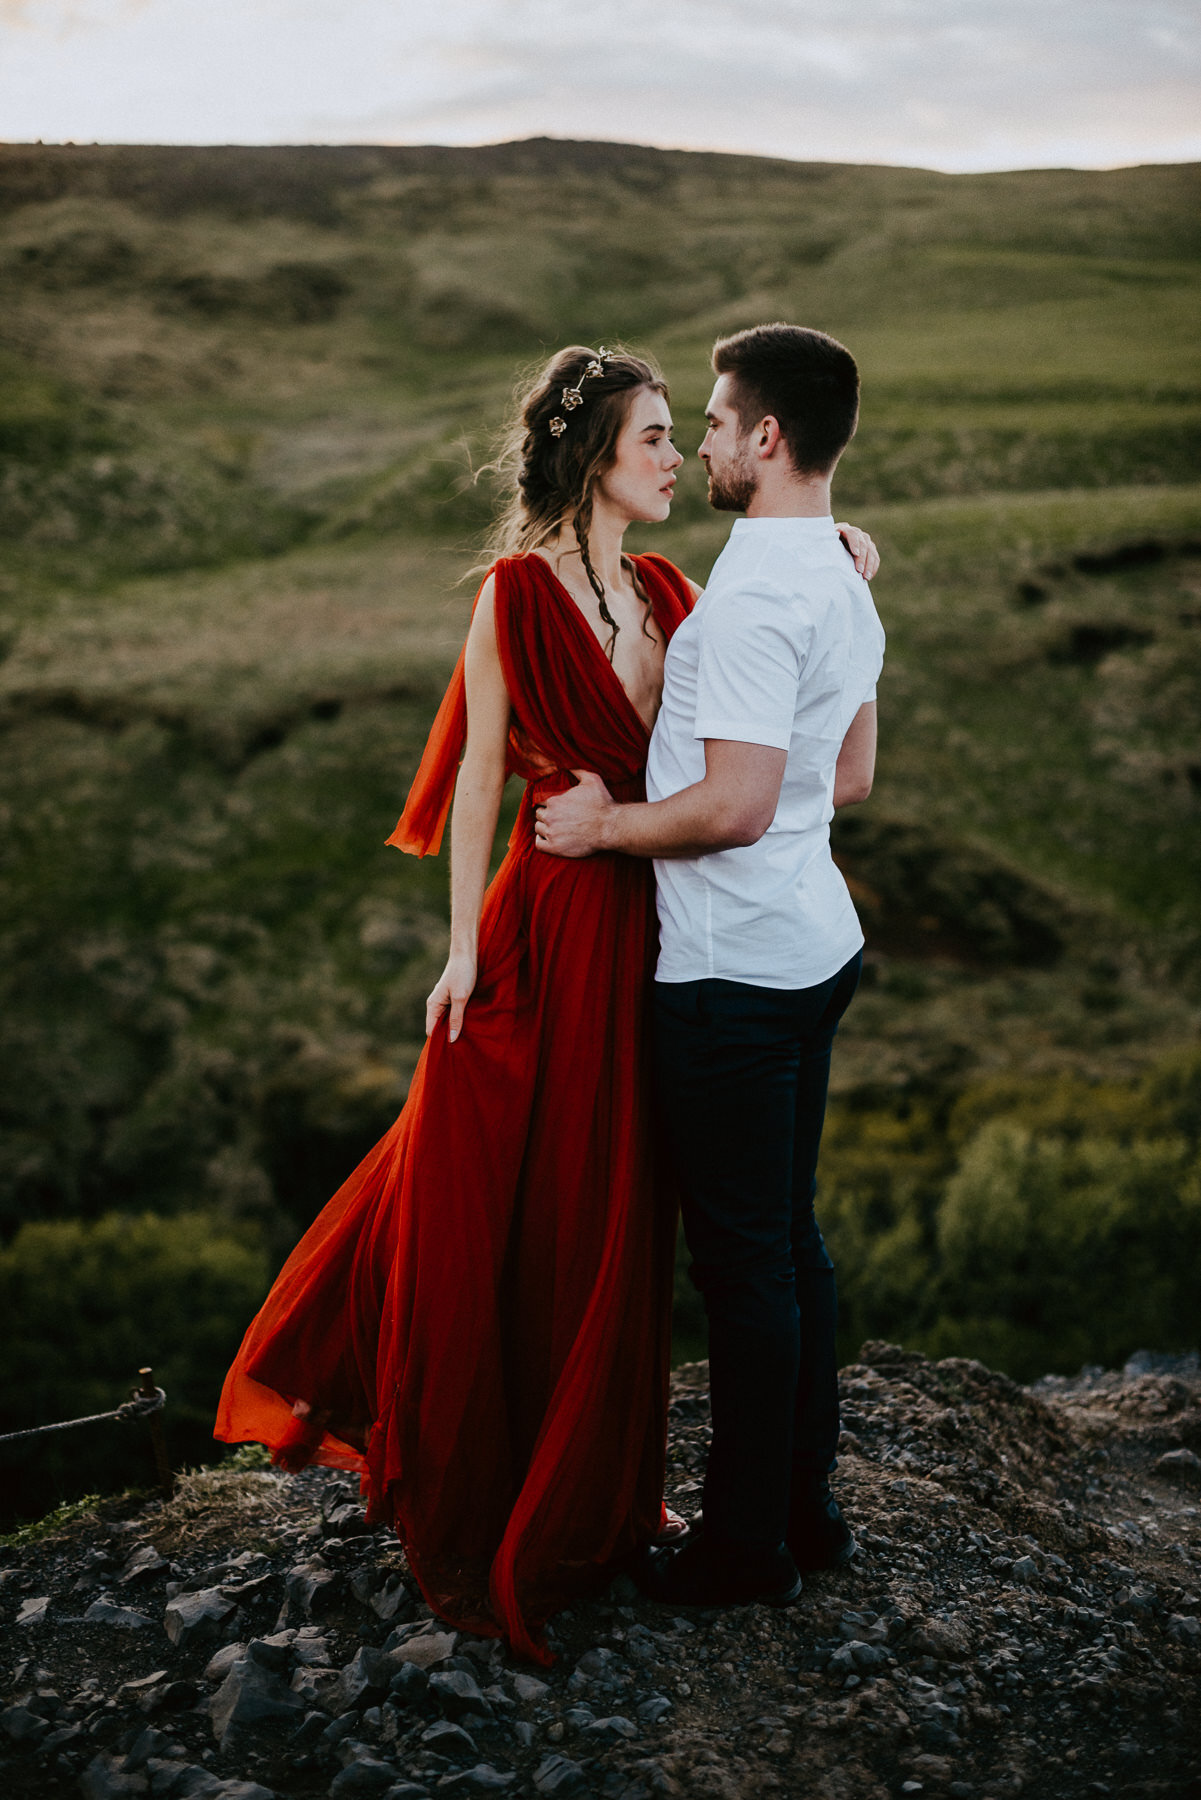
(572, 397)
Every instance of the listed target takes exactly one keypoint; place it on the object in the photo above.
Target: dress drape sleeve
(420, 826)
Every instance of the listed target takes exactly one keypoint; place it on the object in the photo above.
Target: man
(767, 724)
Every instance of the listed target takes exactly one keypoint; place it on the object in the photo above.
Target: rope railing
(145, 1402)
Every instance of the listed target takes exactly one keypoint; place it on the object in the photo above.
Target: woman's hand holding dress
(451, 993)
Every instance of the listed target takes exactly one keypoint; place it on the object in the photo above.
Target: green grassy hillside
(241, 392)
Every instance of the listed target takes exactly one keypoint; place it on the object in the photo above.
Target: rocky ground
(1023, 1616)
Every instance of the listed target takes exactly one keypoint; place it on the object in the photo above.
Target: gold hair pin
(572, 397)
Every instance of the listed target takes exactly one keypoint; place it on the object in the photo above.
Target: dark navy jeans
(742, 1074)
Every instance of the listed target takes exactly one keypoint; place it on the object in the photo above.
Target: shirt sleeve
(754, 646)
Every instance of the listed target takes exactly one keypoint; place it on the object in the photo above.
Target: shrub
(85, 1305)
(1055, 1252)
(1042, 1225)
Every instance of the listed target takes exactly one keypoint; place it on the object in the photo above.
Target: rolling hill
(242, 393)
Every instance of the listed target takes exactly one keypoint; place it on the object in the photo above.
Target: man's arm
(733, 805)
(856, 766)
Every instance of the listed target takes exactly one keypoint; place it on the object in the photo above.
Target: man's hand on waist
(574, 823)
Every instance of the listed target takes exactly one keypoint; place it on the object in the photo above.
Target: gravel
(1023, 1616)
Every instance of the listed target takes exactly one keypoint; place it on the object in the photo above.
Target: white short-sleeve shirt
(783, 648)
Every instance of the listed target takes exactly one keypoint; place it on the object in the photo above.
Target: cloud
(948, 83)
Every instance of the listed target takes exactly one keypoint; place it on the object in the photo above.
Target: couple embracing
(479, 1321)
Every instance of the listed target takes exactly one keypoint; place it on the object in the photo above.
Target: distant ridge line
(284, 177)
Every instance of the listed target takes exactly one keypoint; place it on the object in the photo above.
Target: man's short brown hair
(803, 379)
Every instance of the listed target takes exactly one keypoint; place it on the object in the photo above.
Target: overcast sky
(947, 84)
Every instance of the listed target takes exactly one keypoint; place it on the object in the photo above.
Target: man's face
(726, 452)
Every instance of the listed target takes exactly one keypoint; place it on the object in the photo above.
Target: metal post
(166, 1479)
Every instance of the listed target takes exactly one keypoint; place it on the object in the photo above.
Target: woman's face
(642, 476)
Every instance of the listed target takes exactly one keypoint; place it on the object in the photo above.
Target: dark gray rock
(1135, 1603)
(143, 1567)
(529, 1689)
(391, 1599)
(426, 1644)
(559, 1776)
(609, 1731)
(242, 1591)
(342, 1727)
(353, 1749)
(365, 1582)
(248, 1695)
(309, 1646)
(365, 1679)
(104, 1779)
(190, 1618)
(23, 1726)
(346, 1519)
(222, 1661)
(60, 1739)
(165, 1774)
(195, 1783)
(105, 1611)
(318, 1687)
(410, 1689)
(311, 1727)
(653, 1708)
(365, 1777)
(270, 1653)
(445, 1739)
(148, 1743)
(1180, 1465)
(312, 1588)
(595, 1664)
(457, 1695)
(857, 1658)
(172, 1696)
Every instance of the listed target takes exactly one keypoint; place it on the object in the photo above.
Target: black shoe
(818, 1535)
(701, 1575)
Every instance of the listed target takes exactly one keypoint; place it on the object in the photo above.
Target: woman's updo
(561, 439)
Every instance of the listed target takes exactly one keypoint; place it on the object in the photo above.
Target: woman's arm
(856, 765)
(476, 809)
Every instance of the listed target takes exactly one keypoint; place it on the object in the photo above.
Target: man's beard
(735, 488)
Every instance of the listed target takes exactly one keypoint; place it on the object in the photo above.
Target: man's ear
(766, 436)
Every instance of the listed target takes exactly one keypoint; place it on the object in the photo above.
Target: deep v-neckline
(577, 612)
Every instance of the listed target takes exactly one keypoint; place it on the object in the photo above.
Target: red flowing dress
(479, 1320)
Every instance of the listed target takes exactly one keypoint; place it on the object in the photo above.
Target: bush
(85, 1305)
(1067, 1229)
(1054, 1252)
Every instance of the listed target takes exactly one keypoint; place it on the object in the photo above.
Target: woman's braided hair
(554, 455)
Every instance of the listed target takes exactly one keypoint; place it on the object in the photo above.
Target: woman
(479, 1321)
